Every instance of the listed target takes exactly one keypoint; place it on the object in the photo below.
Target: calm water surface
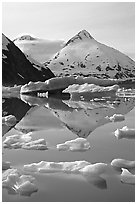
(58, 121)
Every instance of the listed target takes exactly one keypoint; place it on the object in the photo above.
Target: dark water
(58, 121)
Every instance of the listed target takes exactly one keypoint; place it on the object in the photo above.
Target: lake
(58, 121)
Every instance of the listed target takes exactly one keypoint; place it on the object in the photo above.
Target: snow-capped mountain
(25, 37)
(39, 49)
(83, 55)
(16, 69)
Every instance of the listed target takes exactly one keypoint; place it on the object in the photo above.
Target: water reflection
(15, 107)
(82, 117)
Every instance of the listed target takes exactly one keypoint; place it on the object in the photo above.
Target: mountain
(83, 55)
(17, 69)
(24, 37)
(39, 49)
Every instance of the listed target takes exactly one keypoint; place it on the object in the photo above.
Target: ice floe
(19, 140)
(52, 167)
(117, 118)
(24, 141)
(79, 144)
(89, 91)
(6, 165)
(94, 169)
(90, 87)
(61, 83)
(95, 174)
(9, 120)
(125, 132)
(39, 144)
(77, 167)
(123, 163)
(127, 177)
(17, 183)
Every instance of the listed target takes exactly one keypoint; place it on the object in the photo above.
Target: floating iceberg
(89, 91)
(77, 167)
(79, 144)
(122, 163)
(39, 144)
(125, 132)
(52, 167)
(61, 83)
(93, 173)
(17, 140)
(16, 183)
(9, 120)
(89, 88)
(94, 169)
(117, 118)
(24, 141)
(6, 165)
(127, 177)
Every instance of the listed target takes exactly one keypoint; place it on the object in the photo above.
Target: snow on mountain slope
(83, 55)
(39, 49)
(17, 69)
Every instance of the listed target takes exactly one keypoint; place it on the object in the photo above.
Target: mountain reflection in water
(80, 117)
(60, 120)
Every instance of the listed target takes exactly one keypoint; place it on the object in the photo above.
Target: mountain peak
(85, 34)
(25, 37)
(82, 35)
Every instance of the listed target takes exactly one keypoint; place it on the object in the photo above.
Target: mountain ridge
(83, 55)
(16, 69)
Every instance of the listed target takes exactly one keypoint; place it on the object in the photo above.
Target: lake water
(58, 121)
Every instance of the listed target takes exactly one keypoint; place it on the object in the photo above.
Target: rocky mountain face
(83, 55)
(17, 69)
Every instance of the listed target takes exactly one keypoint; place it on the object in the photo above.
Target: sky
(111, 23)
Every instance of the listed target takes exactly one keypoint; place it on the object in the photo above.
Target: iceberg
(127, 177)
(94, 169)
(117, 118)
(95, 174)
(52, 167)
(125, 132)
(89, 91)
(24, 141)
(9, 120)
(16, 183)
(61, 83)
(122, 163)
(79, 144)
(39, 144)
(83, 168)
(11, 140)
